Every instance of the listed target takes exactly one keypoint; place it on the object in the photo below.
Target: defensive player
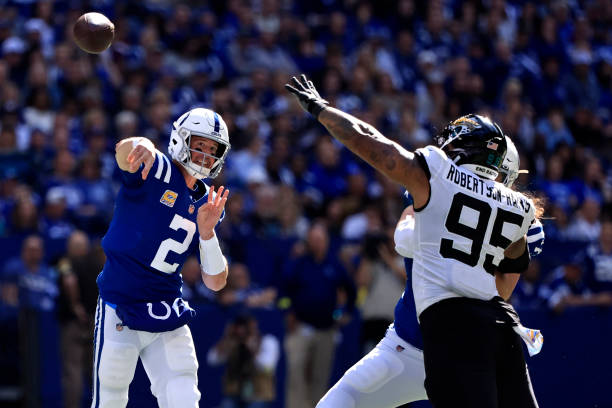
(163, 207)
(467, 226)
(393, 373)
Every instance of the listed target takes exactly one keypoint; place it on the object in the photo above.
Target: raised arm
(364, 140)
(130, 153)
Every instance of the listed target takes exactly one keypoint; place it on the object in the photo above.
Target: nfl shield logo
(191, 209)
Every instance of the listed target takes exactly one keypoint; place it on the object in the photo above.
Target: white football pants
(392, 374)
(168, 358)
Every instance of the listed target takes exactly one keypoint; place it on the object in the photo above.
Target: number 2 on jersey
(167, 245)
(476, 234)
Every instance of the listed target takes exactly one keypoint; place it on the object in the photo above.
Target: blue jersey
(152, 232)
(406, 323)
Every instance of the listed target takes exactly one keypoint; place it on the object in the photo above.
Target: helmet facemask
(204, 123)
(199, 170)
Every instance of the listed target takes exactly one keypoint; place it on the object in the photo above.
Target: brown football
(93, 32)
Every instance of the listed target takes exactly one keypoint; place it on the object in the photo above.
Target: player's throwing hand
(209, 213)
(141, 153)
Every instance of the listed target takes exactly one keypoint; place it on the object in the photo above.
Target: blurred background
(308, 232)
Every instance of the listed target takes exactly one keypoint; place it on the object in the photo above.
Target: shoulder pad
(433, 158)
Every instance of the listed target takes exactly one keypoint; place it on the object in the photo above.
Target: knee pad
(182, 391)
(180, 353)
(373, 371)
(178, 384)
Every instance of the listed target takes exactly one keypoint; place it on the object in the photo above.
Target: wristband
(211, 259)
(315, 108)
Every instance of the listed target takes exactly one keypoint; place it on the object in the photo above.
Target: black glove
(307, 95)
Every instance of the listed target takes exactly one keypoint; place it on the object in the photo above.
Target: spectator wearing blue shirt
(24, 216)
(558, 191)
(554, 130)
(312, 282)
(548, 45)
(64, 164)
(586, 225)
(36, 281)
(530, 292)
(56, 225)
(599, 261)
(593, 182)
(405, 61)
(97, 196)
(241, 291)
(37, 288)
(337, 32)
(581, 84)
(547, 90)
(243, 163)
(329, 172)
(569, 289)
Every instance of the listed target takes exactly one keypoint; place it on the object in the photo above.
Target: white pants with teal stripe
(168, 358)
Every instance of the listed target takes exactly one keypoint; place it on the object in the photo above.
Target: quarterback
(163, 212)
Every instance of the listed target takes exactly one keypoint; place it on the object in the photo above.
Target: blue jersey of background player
(406, 324)
(162, 211)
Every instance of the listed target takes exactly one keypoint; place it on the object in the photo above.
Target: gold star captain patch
(168, 198)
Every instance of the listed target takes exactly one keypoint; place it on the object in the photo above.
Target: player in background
(163, 212)
(393, 373)
(467, 226)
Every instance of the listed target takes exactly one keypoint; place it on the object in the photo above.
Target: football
(93, 32)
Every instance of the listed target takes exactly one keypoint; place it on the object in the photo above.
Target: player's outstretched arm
(130, 153)
(363, 139)
(212, 261)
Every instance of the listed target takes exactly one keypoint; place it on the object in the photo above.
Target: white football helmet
(204, 123)
(510, 165)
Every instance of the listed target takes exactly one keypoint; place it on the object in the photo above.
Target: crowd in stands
(308, 226)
